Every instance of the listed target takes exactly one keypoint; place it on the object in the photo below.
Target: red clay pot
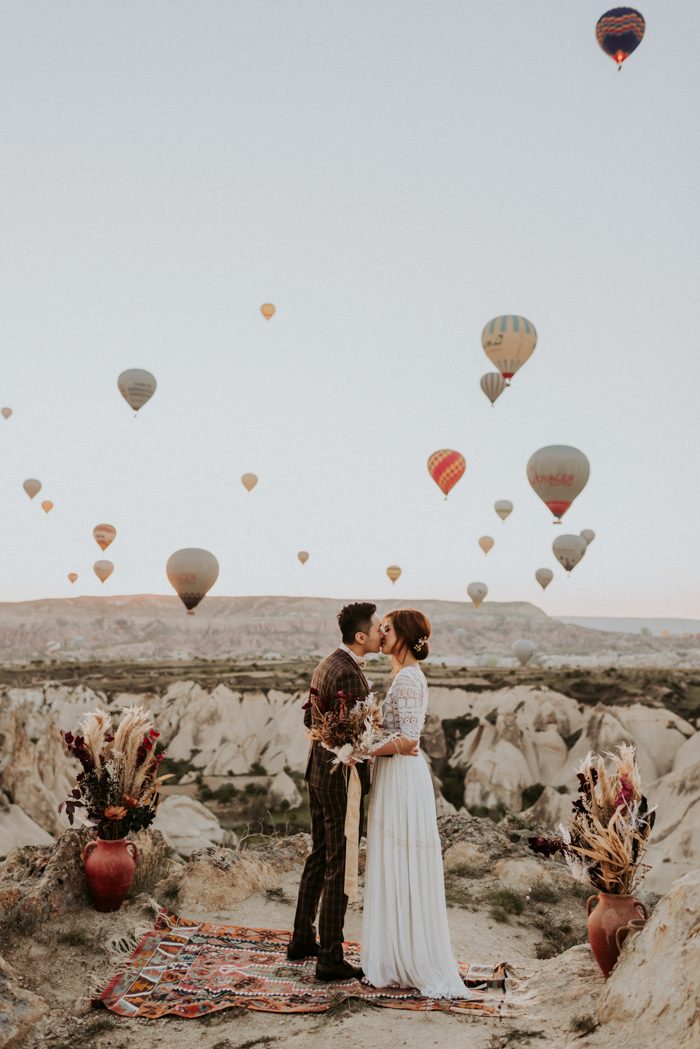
(610, 914)
(109, 866)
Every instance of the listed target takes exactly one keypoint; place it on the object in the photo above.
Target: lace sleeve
(407, 702)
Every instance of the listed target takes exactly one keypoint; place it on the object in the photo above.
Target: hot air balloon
(503, 507)
(446, 467)
(558, 473)
(104, 535)
(47, 506)
(568, 550)
(192, 573)
(6, 412)
(544, 577)
(619, 32)
(136, 387)
(31, 487)
(268, 310)
(493, 384)
(72, 576)
(477, 592)
(486, 542)
(103, 570)
(249, 481)
(589, 535)
(393, 571)
(524, 651)
(303, 556)
(508, 341)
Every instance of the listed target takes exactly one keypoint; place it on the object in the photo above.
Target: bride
(405, 936)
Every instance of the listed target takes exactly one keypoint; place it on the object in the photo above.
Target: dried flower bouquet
(610, 825)
(352, 732)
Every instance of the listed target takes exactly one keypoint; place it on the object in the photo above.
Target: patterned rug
(190, 968)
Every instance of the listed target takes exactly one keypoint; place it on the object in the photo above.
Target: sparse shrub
(255, 789)
(226, 792)
(75, 937)
(505, 902)
(583, 1024)
(256, 769)
(531, 794)
(541, 893)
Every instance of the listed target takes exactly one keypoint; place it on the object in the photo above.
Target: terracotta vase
(109, 866)
(609, 914)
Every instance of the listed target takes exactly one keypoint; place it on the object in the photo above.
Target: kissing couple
(405, 936)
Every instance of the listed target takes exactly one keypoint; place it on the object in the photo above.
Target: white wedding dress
(405, 936)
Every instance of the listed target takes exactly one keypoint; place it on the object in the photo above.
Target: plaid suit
(324, 873)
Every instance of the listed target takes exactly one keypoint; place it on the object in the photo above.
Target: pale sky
(391, 175)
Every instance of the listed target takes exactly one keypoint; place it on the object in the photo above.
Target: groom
(340, 673)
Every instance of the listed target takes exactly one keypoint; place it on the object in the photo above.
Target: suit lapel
(346, 656)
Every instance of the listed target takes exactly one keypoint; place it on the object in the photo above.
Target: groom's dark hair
(355, 618)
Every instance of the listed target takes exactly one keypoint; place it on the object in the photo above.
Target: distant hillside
(143, 627)
(635, 625)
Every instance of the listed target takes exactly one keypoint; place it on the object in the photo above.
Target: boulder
(18, 829)
(186, 824)
(462, 855)
(283, 789)
(40, 883)
(520, 875)
(19, 1009)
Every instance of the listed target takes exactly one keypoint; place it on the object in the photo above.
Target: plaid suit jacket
(337, 673)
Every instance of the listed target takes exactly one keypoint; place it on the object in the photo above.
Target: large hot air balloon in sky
(503, 507)
(493, 384)
(486, 542)
(6, 412)
(47, 506)
(558, 473)
(192, 573)
(136, 387)
(103, 570)
(303, 556)
(446, 467)
(104, 535)
(477, 592)
(523, 651)
(544, 577)
(619, 32)
(393, 571)
(72, 576)
(589, 535)
(268, 310)
(508, 341)
(31, 486)
(249, 481)
(568, 550)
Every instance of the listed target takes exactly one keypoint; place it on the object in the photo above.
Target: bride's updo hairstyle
(412, 630)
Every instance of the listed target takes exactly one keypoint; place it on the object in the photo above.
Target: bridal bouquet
(610, 824)
(119, 787)
(350, 732)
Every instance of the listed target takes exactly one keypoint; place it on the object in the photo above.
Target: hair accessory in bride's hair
(419, 644)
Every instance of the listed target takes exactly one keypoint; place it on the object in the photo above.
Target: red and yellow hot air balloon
(47, 506)
(620, 32)
(104, 534)
(446, 467)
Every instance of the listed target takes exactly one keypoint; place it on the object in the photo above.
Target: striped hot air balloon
(393, 571)
(493, 384)
(508, 341)
(446, 467)
(619, 32)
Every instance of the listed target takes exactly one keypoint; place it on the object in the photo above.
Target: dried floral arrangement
(119, 786)
(352, 731)
(610, 825)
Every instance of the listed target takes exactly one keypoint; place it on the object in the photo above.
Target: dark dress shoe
(297, 951)
(339, 971)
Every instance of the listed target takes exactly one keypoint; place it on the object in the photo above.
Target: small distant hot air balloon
(103, 570)
(136, 387)
(6, 412)
(558, 473)
(393, 571)
(104, 535)
(493, 384)
(524, 651)
(249, 481)
(268, 310)
(589, 535)
(303, 556)
(508, 342)
(486, 542)
(544, 577)
(568, 550)
(47, 506)
(72, 576)
(192, 572)
(446, 467)
(619, 32)
(477, 592)
(503, 507)
(31, 487)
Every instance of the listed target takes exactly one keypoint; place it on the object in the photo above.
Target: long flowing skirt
(405, 935)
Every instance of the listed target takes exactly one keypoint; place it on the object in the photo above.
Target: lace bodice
(406, 703)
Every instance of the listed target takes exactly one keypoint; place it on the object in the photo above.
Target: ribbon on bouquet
(352, 833)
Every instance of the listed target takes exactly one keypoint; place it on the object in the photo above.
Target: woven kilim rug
(190, 968)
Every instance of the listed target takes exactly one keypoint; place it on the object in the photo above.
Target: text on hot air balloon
(565, 479)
